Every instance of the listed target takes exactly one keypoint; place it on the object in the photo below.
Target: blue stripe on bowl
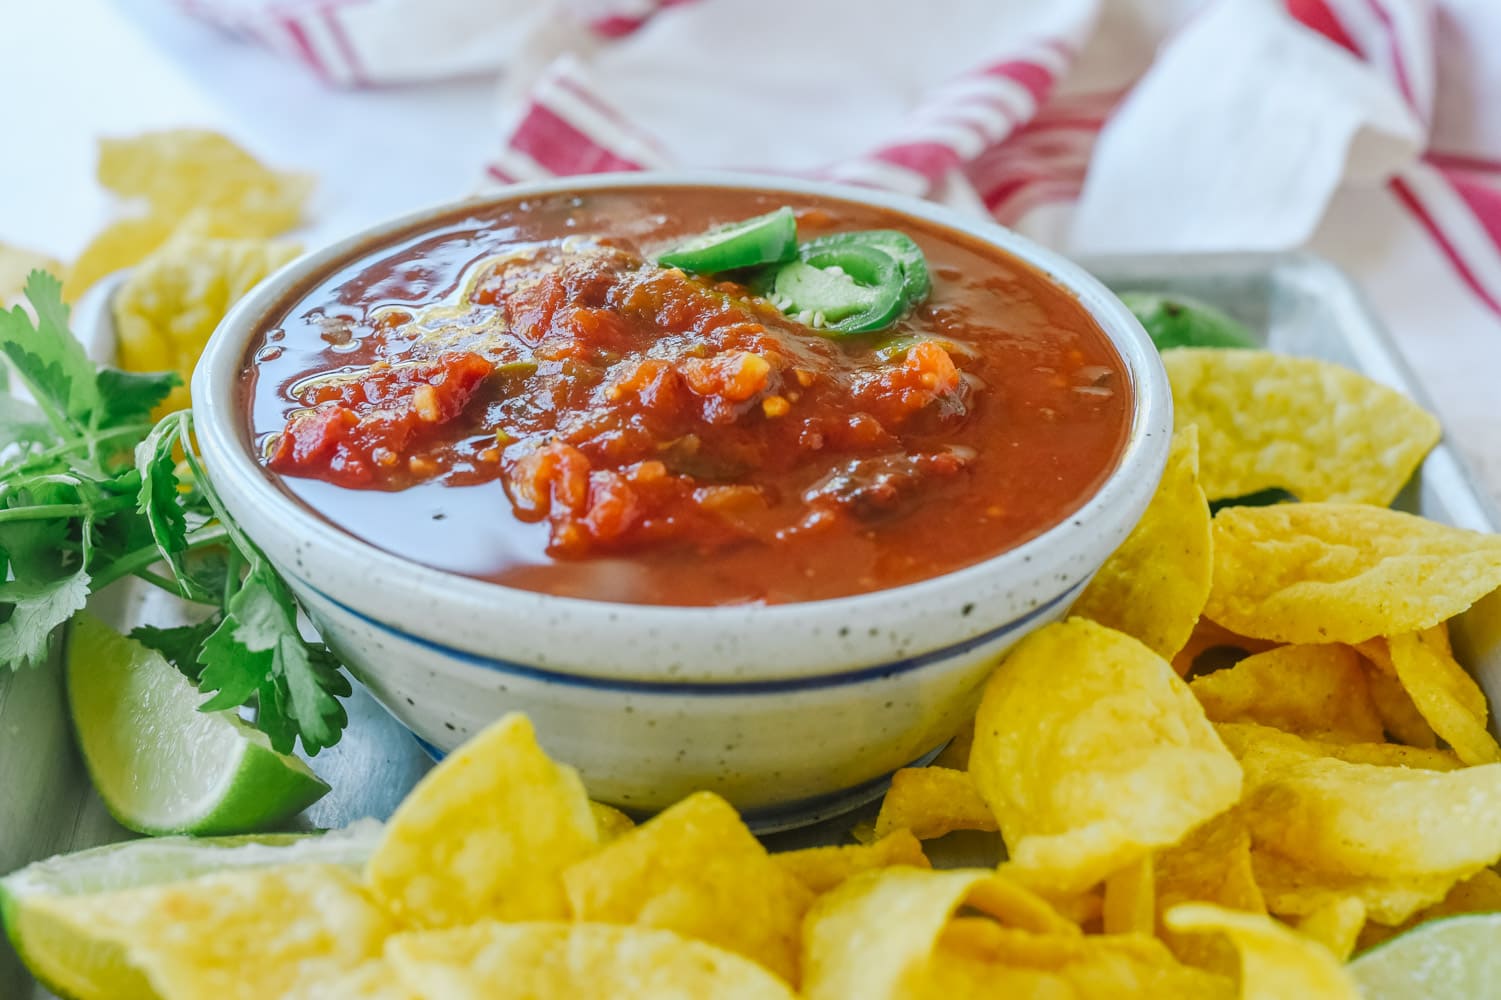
(770, 686)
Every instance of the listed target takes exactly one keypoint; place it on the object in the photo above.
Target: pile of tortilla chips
(197, 217)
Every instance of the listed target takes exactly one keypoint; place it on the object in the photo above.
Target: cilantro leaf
(47, 357)
(36, 609)
(181, 644)
(130, 397)
(258, 649)
(22, 425)
(158, 498)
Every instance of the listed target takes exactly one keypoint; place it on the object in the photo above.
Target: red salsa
(523, 395)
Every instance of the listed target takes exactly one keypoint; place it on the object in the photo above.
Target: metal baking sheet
(1295, 303)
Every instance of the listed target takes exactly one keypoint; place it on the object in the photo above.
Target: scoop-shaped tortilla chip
(1317, 691)
(1313, 428)
(931, 802)
(1154, 586)
(822, 868)
(243, 935)
(1276, 962)
(1313, 572)
(696, 869)
(1366, 819)
(1447, 696)
(1091, 752)
(523, 961)
(486, 833)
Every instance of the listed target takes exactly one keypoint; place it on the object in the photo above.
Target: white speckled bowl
(792, 712)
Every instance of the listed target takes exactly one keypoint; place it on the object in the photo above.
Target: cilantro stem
(61, 511)
(133, 562)
(74, 443)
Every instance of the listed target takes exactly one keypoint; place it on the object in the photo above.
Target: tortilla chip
(822, 868)
(241, 935)
(168, 307)
(1154, 586)
(377, 979)
(875, 936)
(486, 833)
(525, 961)
(932, 802)
(695, 869)
(184, 170)
(121, 244)
(1293, 889)
(1315, 691)
(1364, 819)
(18, 262)
(609, 821)
(1213, 647)
(1091, 752)
(1336, 926)
(1131, 900)
(1276, 962)
(1480, 893)
(1306, 572)
(1447, 696)
(1400, 718)
(1311, 427)
(955, 756)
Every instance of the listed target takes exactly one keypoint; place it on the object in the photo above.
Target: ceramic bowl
(792, 712)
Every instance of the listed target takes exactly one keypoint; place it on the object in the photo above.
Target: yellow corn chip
(1305, 572)
(1276, 962)
(1399, 716)
(121, 244)
(243, 935)
(1131, 900)
(1292, 889)
(874, 936)
(1448, 698)
(1212, 647)
(610, 822)
(184, 170)
(1480, 893)
(1091, 752)
(822, 868)
(1212, 864)
(1154, 586)
(695, 869)
(15, 264)
(530, 961)
(1336, 926)
(955, 756)
(1364, 819)
(931, 802)
(487, 833)
(168, 307)
(1315, 691)
(1311, 427)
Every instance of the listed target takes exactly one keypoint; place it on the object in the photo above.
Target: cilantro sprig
(91, 491)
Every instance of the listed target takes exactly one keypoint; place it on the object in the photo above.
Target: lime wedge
(80, 968)
(159, 764)
(1457, 958)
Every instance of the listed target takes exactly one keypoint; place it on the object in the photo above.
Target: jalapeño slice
(908, 255)
(851, 288)
(766, 239)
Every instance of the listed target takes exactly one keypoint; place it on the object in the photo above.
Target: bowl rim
(1127, 488)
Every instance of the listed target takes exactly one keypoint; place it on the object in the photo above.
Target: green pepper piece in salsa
(841, 289)
(766, 239)
(908, 255)
(1174, 321)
